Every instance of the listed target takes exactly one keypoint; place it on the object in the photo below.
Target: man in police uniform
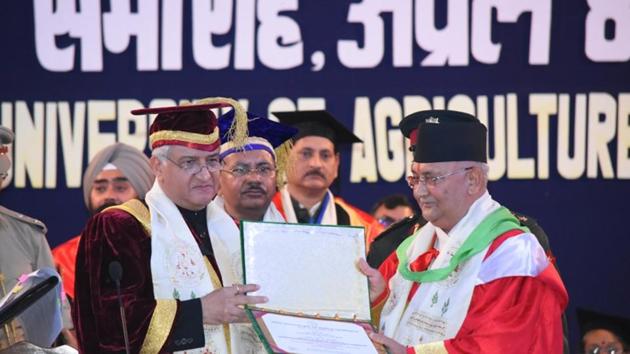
(23, 249)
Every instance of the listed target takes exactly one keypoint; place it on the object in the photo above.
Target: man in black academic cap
(313, 167)
(603, 334)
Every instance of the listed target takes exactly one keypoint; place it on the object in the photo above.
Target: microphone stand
(115, 272)
(123, 318)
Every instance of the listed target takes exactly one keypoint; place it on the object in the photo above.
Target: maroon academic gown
(116, 235)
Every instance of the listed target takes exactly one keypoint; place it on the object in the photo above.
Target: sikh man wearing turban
(115, 175)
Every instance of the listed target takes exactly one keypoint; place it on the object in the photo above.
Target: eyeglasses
(193, 166)
(611, 348)
(242, 171)
(385, 221)
(429, 181)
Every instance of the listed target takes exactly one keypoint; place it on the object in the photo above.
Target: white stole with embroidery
(438, 309)
(178, 268)
(330, 213)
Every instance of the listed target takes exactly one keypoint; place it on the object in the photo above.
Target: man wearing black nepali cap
(486, 284)
(383, 247)
(313, 167)
(387, 242)
(171, 285)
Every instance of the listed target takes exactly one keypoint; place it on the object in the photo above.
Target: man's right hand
(225, 305)
(375, 279)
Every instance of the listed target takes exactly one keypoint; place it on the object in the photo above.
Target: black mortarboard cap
(318, 123)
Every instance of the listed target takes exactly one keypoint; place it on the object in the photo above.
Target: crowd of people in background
(182, 205)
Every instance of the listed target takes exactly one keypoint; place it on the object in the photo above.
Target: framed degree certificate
(318, 298)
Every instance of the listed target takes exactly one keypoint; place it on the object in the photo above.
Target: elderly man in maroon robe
(171, 289)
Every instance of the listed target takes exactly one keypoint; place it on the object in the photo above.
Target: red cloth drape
(65, 256)
(509, 315)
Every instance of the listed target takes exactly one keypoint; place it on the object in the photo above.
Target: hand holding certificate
(318, 299)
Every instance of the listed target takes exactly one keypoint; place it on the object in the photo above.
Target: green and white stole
(437, 310)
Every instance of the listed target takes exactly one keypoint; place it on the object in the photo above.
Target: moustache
(255, 188)
(315, 173)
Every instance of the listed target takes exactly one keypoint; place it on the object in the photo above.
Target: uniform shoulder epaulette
(24, 218)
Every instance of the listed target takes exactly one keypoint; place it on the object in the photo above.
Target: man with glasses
(313, 167)
(472, 279)
(248, 183)
(392, 209)
(381, 251)
(158, 251)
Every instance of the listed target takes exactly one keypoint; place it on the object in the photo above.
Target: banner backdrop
(551, 80)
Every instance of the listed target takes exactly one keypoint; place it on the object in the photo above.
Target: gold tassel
(282, 162)
(238, 132)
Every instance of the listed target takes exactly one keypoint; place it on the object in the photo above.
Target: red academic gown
(116, 235)
(508, 315)
(65, 256)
